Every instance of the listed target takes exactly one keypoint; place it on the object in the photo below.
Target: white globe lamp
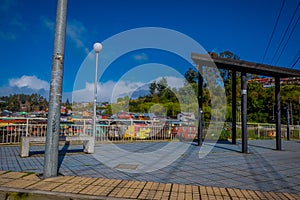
(97, 47)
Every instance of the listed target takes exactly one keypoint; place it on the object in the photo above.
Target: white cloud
(7, 5)
(48, 23)
(31, 82)
(173, 82)
(12, 19)
(7, 35)
(26, 85)
(76, 31)
(110, 91)
(17, 22)
(140, 57)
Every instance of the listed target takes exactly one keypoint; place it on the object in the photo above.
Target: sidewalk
(264, 170)
(63, 187)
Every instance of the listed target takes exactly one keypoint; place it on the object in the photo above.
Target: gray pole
(95, 96)
(200, 102)
(244, 113)
(53, 123)
(291, 116)
(278, 113)
(97, 48)
(287, 122)
(233, 109)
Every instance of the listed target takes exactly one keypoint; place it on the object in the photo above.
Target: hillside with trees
(162, 99)
(260, 101)
(23, 102)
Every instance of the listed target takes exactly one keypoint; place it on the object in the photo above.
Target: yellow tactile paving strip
(125, 189)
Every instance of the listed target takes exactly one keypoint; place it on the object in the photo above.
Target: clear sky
(241, 26)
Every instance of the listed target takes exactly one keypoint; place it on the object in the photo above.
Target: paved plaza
(222, 165)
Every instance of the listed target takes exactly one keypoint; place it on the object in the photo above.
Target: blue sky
(27, 33)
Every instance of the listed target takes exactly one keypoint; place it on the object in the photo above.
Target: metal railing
(115, 130)
(118, 131)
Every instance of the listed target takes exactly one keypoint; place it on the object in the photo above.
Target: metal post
(278, 113)
(97, 48)
(53, 121)
(95, 96)
(291, 116)
(244, 113)
(287, 122)
(200, 101)
(299, 112)
(27, 127)
(233, 109)
(273, 112)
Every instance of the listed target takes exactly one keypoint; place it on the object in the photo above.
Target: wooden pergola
(244, 67)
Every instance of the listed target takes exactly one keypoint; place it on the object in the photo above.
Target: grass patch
(18, 195)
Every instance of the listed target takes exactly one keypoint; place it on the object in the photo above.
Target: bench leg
(24, 150)
(89, 146)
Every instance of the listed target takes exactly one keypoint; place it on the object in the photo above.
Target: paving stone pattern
(103, 188)
(262, 169)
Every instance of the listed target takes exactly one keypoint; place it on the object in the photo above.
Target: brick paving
(224, 173)
(124, 189)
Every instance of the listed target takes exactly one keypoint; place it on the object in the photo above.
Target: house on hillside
(186, 117)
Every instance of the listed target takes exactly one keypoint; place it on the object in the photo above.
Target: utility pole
(200, 102)
(292, 120)
(299, 112)
(273, 112)
(287, 122)
(53, 122)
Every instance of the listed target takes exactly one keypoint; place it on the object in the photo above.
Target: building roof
(244, 66)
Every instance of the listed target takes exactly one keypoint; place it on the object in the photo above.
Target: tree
(191, 76)
(152, 88)
(14, 103)
(162, 84)
(67, 102)
(23, 102)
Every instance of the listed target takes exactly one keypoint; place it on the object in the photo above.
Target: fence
(268, 131)
(114, 131)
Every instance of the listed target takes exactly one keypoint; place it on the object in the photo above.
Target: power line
(294, 58)
(291, 33)
(272, 34)
(295, 62)
(286, 30)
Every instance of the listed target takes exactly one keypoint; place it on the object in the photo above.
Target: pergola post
(200, 102)
(252, 68)
(233, 109)
(244, 113)
(287, 123)
(278, 113)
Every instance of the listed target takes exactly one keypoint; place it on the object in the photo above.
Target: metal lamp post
(53, 122)
(97, 48)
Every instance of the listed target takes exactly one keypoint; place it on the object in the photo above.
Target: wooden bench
(87, 141)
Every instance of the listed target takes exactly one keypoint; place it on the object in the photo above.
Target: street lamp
(97, 48)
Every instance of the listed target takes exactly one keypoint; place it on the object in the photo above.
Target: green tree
(191, 76)
(152, 88)
(14, 103)
(161, 85)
